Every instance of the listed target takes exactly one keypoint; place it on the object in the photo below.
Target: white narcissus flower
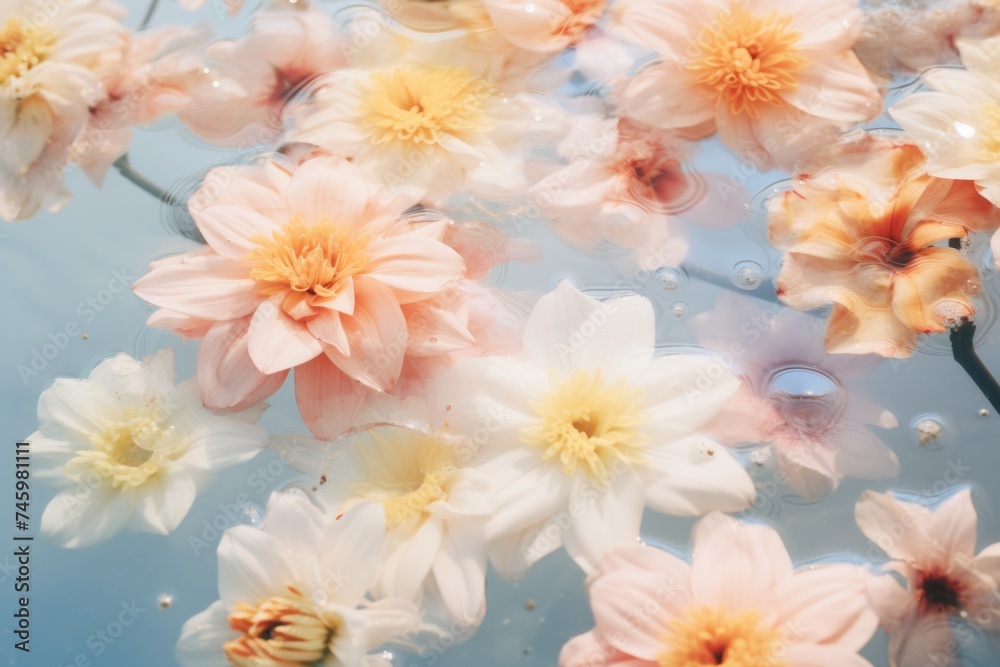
(131, 450)
(958, 125)
(587, 427)
(53, 59)
(934, 551)
(436, 509)
(293, 593)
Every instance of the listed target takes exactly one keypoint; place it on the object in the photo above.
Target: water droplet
(252, 515)
(808, 399)
(984, 413)
(671, 278)
(85, 336)
(928, 429)
(678, 309)
(165, 601)
(386, 655)
(529, 8)
(529, 604)
(952, 313)
(758, 458)
(215, 84)
(747, 275)
(432, 340)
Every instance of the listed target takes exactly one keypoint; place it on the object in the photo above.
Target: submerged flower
(739, 604)
(545, 25)
(775, 79)
(293, 593)
(797, 397)
(436, 118)
(436, 508)
(586, 428)
(311, 269)
(934, 551)
(866, 237)
(958, 125)
(244, 85)
(622, 183)
(130, 450)
(52, 61)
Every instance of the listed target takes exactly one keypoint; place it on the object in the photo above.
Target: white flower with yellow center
(957, 124)
(436, 508)
(52, 59)
(293, 593)
(587, 427)
(435, 120)
(130, 450)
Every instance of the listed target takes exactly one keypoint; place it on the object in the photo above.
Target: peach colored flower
(622, 183)
(775, 79)
(958, 125)
(51, 67)
(158, 68)
(544, 25)
(796, 397)
(739, 603)
(311, 269)
(864, 235)
(246, 83)
(935, 554)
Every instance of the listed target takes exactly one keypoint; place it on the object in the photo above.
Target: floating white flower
(436, 509)
(131, 450)
(587, 427)
(293, 593)
(52, 60)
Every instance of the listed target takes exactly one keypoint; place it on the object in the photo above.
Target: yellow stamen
(304, 260)
(23, 47)
(280, 632)
(747, 59)
(420, 105)
(130, 451)
(586, 421)
(405, 472)
(583, 14)
(989, 146)
(709, 636)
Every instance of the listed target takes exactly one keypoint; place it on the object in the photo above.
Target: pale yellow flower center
(280, 632)
(583, 14)
(587, 421)
(711, 636)
(989, 142)
(306, 260)
(23, 47)
(748, 59)
(404, 474)
(130, 451)
(420, 105)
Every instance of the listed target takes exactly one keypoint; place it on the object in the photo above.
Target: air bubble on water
(952, 313)
(806, 398)
(928, 429)
(984, 413)
(530, 604)
(758, 458)
(671, 278)
(678, 309)
(252, 515)
(747, 275)
(965, 245)
(432, 340)
(387, 655)
(165, 601)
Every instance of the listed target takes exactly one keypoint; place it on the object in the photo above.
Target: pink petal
(897, 528)
(328, 399)
(738, 565)
(635, 596)
(328, 188)
(227, 377)
(814, 655)
(377, 336)
(952, 525)
(202, 285)
(590, 650)
(413, 264)
(328, 327)
(665, 96)
(836, 87)
(228, 229)
(276, 341)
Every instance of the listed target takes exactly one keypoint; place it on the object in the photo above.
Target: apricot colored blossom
(586, 427)
(796, 397)
(933, 550)
(864, 235)
(957, 125)
(776, 80)
(310, 268)
(738, 603)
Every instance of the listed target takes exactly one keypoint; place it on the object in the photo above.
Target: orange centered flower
(583, 14)
(708, 636)
(747, 59)
(280, 632)
(309, 263)
(23, 47)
